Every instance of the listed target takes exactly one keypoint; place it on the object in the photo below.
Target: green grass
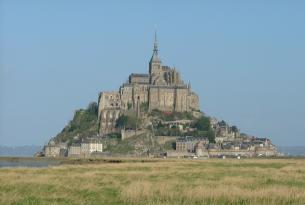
(155, 182)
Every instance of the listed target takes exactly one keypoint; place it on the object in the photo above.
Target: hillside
(140, 145)
(83, 124)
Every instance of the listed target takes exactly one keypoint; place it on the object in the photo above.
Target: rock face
(162, 88)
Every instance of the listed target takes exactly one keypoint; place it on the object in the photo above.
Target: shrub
(93, 108)
(128, 121)
(203, 124)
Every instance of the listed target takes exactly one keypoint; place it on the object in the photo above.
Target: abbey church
(162, 88)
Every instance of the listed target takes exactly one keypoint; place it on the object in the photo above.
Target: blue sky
(245, 59)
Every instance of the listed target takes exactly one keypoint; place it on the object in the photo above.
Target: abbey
(162, 89)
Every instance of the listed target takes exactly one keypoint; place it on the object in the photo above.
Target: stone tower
(155, 67)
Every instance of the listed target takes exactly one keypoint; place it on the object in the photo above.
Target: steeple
(155, 62)
(155, 57)
(155, 44)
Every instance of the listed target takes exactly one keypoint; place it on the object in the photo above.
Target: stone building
(91, 145)
(74, 150)
(85, 148)
(162, 88)
(201, 150)
(188, 143)
(55, 150)
(52, 150)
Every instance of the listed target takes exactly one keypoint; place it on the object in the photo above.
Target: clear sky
(245, 59)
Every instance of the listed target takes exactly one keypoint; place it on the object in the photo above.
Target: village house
(52, 150)
(188, 143)
(91, 145)
(201, 150)
(55, 150)
(74, 150)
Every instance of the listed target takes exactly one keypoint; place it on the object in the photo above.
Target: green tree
(93, 108)
(234, 128)
(127, 121)
(122, 121)
(211, 135)
(203, 124)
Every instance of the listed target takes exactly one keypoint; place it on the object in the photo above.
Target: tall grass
(217, 182)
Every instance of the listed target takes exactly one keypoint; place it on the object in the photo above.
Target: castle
(162, 89)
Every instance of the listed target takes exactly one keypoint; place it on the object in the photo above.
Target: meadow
(156, 182)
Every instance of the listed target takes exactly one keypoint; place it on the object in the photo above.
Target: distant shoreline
(73, 160)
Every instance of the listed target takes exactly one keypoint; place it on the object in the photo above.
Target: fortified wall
(162, 88)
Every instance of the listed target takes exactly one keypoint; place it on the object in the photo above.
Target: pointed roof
(155, 58)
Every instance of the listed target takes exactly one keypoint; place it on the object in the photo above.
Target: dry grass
(253, 182)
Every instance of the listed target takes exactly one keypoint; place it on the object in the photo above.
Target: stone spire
(155, 57)
(155, 62)
(155, 45)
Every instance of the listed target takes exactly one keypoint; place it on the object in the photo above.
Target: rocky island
(154, 114)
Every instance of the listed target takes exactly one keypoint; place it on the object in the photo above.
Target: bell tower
(155, 67)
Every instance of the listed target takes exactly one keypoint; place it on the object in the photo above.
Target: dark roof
(165, 67)
(139, 75)
(191, 138)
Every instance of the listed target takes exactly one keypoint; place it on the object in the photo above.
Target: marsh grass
(178, 182)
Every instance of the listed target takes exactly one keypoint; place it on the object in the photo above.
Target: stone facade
(52, 150)
(74, 150)
(85, 148)
(189, 144)
(89, 146)
(162, 88)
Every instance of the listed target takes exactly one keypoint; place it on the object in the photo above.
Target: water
(27, 162)
(292, 150)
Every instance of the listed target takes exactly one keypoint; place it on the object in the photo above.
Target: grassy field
(215, 181)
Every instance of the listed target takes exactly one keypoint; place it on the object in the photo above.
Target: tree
(234, 129)
(211, 135)
(127, 121)
(122, 121)
(203, 124)
(222, 123)
(93, 108)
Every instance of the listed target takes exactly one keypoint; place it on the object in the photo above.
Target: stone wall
(162, 88)
(109, 100)
(107, 119)
(181, 100)
(162, 98)
(126, 134)
(193, 101)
